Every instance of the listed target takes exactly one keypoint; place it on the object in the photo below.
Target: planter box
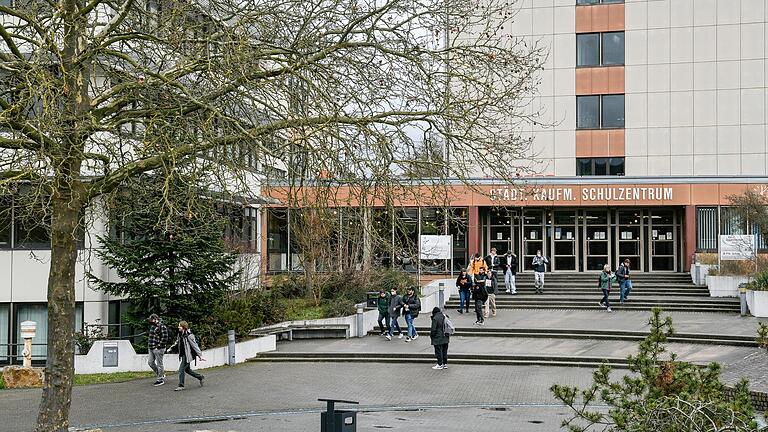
(758, 303)
(725, 286)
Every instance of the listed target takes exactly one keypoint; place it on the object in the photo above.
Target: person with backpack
(606, 280)
(395, 305)
(479, 295)
(510, 271)
(625, 284)
(464, 284)
(539, 267)
(158, 340)
(411, 308)
(189, 350)
(382, 304)
(439, 337)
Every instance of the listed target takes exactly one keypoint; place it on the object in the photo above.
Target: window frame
(608, 161)
(601, 36)
(600, 115)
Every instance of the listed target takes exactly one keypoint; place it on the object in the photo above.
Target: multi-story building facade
(654, 112)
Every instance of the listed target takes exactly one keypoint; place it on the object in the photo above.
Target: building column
(690, 236)
(473, 231)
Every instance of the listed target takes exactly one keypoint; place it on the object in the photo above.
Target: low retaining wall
(725, 286)
(129, 361)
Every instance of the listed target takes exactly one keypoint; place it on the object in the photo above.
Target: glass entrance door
(564, 240)
(629, 238)
(662, 229)
(533, 236)
(596, 236)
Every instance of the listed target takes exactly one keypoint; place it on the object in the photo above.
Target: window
(600, 112)
(600, 49)
(32, 230)
(39, 314)
(6, 217)
(594, 2)
(706, 229)
(4, 325)
(600, 166)
(613, 48)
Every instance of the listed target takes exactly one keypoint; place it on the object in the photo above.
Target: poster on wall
(499, 236)
(558, 234)
(655, 234)
(669, 236)
(737, 247)
(433, 247)
(569, 235)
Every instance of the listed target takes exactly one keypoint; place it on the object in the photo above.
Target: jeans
(479, 310)
(411, 328)
(490, 304)
(383, 318)
(509, 280)
(625, 287)
(394, 324)
(184, 367)
(605, 299)
(464, 300)
(155, 361)
(539, 280)
(441, 352)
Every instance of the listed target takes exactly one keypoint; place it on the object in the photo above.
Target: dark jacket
(158, 336)
(383, 305)
(479, 293)
(395, 304)
(621, 272)
(540, 264)
(493, 262)
(437, 334)
(480, 279)
(188, 348)
(464, 283)
(510, 264)
(414, 305)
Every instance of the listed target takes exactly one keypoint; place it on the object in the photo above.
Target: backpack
(448, 328)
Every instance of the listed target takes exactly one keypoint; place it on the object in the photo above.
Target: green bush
(760, 282)
(2, 382)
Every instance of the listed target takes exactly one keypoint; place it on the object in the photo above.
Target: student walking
(188, 351)
(606, 280)
(411, 308)
(464, 285)
(395, 305)
(158, 340)
(510, 270)
(479, 295)
(475, 265)
(490, 305)
(625, 283)
(539, 267)
(439, 339)
(383, 307)
(493, 264)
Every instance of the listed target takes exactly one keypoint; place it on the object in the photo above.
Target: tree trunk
(59, 370)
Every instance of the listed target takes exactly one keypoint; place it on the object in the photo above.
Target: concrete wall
(129, 361)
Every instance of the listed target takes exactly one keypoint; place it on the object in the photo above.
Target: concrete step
(617, 308)
(596, 334)
(594, 291)
(469, 359)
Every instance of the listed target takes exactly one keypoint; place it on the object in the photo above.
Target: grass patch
(2, 383)
(302, 309)
(105, 378)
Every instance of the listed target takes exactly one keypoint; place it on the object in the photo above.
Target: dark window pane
(601, 166)
(588, 49)
(613, 48)
(584, 167)
(612, 1)
(588, 112)
(5, 223)
(617, 166)
(32, 229)
(613, 111)
(587, 2)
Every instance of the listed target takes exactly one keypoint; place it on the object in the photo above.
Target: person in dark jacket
(539, 264)
(395, 305)
(493, 262)
(158, 340)
(464, 284)
(188, 351)
(411, 308)
(439, 339)
(625, 283)
(479, 295)
(510, 271)
(383, 307)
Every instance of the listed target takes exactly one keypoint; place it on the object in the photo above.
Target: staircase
(670, 291)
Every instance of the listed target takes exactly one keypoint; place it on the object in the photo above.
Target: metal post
(360, 320)
(231, 345)
(441, 296)
(743, 298)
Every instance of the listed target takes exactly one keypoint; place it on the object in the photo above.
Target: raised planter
(699, 273)
(725, 286)
(757, 301)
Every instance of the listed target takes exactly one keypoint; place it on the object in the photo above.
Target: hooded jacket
(395, 304)
(437, 334)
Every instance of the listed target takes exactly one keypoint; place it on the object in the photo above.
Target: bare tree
(96, 92)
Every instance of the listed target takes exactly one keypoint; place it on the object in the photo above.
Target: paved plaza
(272, 396)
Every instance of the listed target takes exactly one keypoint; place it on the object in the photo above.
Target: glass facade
(5, 323)
(600, 49)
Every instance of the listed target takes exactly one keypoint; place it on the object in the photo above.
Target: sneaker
(494, 314)
(400, 336)
(445, 366)
(482, 323)
(202, 381)
(415, 337)
(513, 292)
(159, 382)
(509, 291)
(382, 334)
(601, 304)
(477, 322)
(407, 339)
(389, 338)
(179, 388)
(609, 310)
(460, 311)
(437, 367)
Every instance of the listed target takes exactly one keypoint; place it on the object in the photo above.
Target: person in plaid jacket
(158, 340)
